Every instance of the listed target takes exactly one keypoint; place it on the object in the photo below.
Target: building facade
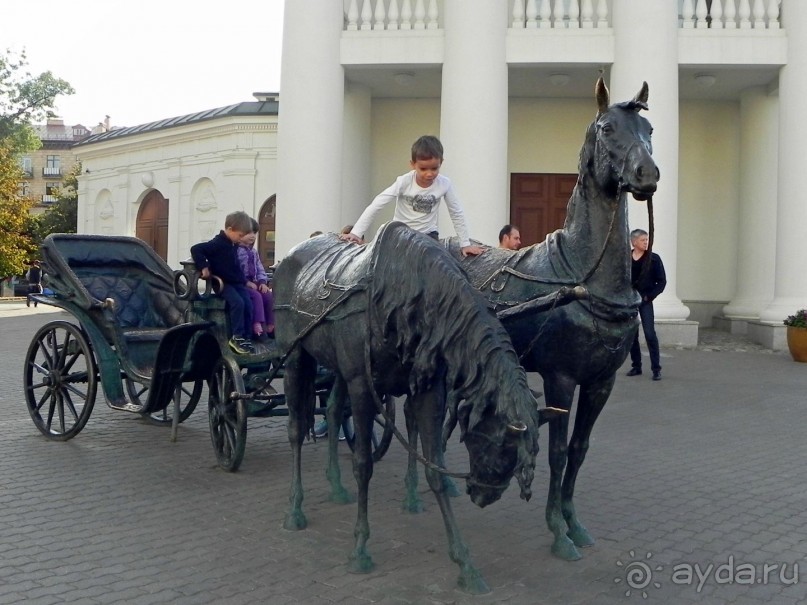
(508, 87)
(172, 182)
(44, 169)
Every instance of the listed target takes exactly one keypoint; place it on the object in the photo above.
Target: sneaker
(321, 428)
(239, 346)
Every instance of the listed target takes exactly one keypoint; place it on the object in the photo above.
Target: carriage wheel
(228, 415)
(60, 380)
(382, 432)
(189, 394)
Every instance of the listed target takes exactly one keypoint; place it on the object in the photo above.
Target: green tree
(16, 224)
(24, 100)
(62, 217)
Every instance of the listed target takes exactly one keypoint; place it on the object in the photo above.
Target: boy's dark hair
(427, 147)
(506, 230)
(238, 221)
(255, 226)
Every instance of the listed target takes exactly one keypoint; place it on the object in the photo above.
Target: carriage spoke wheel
(382, 432)
(227, 414)
(60, 380)
(189, 394)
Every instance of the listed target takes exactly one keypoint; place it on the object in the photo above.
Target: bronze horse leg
(412, 502)
(335, 413)
(559, 392)
(298, 384)
(429, 411)
(363, 410)
(590, 403)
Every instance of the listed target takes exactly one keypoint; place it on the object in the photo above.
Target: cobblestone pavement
(690, 482)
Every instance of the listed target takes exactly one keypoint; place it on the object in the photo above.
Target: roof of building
(266, 107)
(56, 130)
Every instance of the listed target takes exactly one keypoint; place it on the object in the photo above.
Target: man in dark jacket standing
(649, 280)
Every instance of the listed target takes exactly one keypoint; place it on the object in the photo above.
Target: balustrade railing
(730, 14)
(559, 14)
(376, 15)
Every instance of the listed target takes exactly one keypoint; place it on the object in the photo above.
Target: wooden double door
(152, 222)
(538, 203)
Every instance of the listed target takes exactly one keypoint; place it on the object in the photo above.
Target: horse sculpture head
(620, 147)
(499, 448)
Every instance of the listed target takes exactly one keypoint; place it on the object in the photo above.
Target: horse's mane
(439, 322)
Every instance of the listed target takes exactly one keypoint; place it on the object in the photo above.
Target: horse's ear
(641, 97)
(601, 92)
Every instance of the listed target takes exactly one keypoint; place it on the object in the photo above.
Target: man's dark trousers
(648, 326)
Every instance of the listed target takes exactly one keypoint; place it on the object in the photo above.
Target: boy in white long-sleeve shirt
(417, 196)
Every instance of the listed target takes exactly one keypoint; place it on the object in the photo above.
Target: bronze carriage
(154, 337)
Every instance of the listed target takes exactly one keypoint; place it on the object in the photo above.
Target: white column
(756, 257)
(356, 192)
(790, 290)
(650, 53)
(310, 119)
(473, 119)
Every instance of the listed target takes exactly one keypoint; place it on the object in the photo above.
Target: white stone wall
(205, 170)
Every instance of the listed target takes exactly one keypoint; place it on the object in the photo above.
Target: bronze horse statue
(398, 316)
(583, 343)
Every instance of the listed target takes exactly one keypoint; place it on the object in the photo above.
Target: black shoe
(634, 372)
(27, 302)
(656, 374)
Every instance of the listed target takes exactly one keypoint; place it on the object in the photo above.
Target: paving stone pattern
(706, 467)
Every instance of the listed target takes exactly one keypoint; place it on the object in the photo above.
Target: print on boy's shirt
(422, 203)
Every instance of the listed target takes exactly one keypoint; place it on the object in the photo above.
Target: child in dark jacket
(219, 257)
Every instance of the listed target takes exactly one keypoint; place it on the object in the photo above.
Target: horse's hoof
(412, 504)
(472, 583)
(360, 563)
(295, 521)
(580, 536)
(341, 496)
(564, 548)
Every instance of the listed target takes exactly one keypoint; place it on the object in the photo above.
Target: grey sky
(143, 61)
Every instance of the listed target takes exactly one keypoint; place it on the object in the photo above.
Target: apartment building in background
(44, 169)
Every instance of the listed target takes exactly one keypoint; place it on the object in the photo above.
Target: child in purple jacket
(260, 293)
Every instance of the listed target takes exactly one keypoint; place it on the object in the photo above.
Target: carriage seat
(142, 313)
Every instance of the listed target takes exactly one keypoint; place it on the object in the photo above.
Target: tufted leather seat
(142, 313)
